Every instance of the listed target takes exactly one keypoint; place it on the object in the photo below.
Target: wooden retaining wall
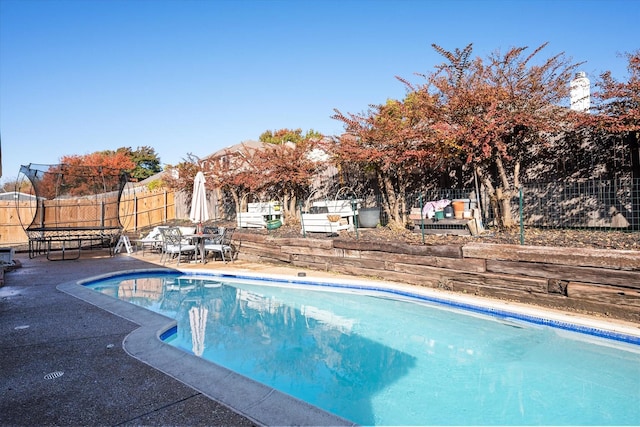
(604, 282)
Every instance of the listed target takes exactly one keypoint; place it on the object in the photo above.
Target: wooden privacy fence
(11, 231)
(140, 210)
(78, 212)
(137, 211)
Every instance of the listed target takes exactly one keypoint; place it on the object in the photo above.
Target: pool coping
(265, 405)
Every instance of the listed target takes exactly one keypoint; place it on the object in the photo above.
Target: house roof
(249, 144)
(14, 195)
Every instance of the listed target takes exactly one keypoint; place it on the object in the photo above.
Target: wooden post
(165, 210)
(135, 212)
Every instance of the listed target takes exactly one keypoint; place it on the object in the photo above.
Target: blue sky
(195, 76)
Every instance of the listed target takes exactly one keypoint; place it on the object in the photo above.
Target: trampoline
(75, 206)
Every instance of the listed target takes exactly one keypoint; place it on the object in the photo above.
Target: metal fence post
(421, 219)
(304, 233)
(135, 212)
(521, 218)
(354, 207)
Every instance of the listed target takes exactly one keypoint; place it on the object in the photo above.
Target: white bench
(319, 223)
(258, 214)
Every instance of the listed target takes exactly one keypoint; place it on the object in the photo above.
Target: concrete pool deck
(46, 328)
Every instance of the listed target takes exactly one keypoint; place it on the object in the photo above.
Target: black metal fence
(609, 205)
(594, 204)
(603, 205)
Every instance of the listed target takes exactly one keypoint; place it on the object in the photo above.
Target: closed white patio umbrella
(199, 210)
(198, 323)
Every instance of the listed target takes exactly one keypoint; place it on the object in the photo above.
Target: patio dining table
(199, 240)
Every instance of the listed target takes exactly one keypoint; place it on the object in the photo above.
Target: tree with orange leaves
(281, 169)
(85, 175)
(617, 108)
(228, 172)
(497, 111)
(490, 114)
(181, 176)
(232, 172)
(287, 170)
(617, 105)
(396, 143)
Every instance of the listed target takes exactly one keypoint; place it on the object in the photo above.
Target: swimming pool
(393, 355)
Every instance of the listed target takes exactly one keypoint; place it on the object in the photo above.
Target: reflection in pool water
(381, 361)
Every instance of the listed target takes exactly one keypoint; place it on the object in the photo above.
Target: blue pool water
(377, 358)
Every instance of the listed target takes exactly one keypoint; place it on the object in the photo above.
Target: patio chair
(213, 235)
(152, 242)
(174, 245)
(210, 229)
(222, 245)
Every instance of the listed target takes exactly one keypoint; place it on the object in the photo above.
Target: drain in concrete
(53, 375)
